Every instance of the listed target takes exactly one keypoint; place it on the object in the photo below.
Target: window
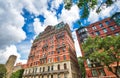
(118, 69)
(64, 57)
(43, 69)
(94, 28)
(52, 59)
(94, 73)
(48, 68)
(52, 68)
(52, 52)
(51, 76)
(107, 22)
(58, 67)
(49, 60)
(101, 25)
(26, 72)
(40, 69)
(48, 53)
(101, 72)
(63, 49)
(58, 51)
(47, 76)
(97, 33)
(29, 70)
(65, 75)
(65, 66)
(35, 70)
(92, 33)
(112, 28)
(58, 75)
(58, 58)
(116, 34)
(31, 64)
(89, 63)
(114, 18)
(104, 30)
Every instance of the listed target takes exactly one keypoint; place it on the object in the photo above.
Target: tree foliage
(86, 5)
(105, 51)
(2, 70)
(17, 74)
(81, 65)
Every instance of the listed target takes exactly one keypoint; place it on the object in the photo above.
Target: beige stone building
(9, 65)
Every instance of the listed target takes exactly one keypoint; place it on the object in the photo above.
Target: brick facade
(103, 28)
(53, 54)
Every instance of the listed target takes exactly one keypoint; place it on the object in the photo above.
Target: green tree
(17, 74)
(81, 65)
(2, 70)
(86, 5)
(105, 51)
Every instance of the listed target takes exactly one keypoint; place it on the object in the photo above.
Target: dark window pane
(107, 22)
(64, 57)
(94, 73)
(101, 25)
(101, 72)
(58, 67)
(58, 58)
(104, 30)
(112, 28)
(65, 66)
(94, 28)
(97, 33)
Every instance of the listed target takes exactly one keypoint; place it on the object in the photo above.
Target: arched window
(65, 66)
(58, 67)
(51, 76)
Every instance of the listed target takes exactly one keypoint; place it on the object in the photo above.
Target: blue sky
(22, 21)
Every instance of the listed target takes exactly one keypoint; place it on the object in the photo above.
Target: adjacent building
(53, 54)
(10, 65)
(19, 66)
(106, 27)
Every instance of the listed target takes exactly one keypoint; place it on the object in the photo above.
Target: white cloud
(4, 54)
(77, 47)
(11, 50)
(93, 17)
(105, 12)
(38, 26)
(70, 16)
(11, 23)
(50, 18)
(55, 4)
(11, 32)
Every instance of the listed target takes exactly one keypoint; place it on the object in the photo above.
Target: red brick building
(53, 54)
(106, 27)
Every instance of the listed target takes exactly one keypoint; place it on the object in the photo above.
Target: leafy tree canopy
(81, 65)
(105, 51)
(2, 70)
(86, 5)
(17, 74)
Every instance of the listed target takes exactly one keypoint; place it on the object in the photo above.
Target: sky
(22, 20)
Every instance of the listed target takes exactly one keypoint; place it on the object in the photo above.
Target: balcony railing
(47, 72)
